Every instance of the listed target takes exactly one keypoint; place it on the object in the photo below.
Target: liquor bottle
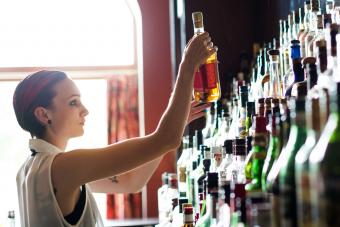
(227, 160)
(296, 139)
(313, 27)
(235, 171)
(161, 198)
(296, 74)
(206, 83)
(188, 218)
(258, 155)
(243, 112)
(249, 119)
(275, 78)
(209, 219)
(273, 149)
(11, 218)
(323, 84)
(301, 159)
(324, 171)
(306, 24)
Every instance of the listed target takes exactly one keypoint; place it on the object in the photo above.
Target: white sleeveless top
(37, 202)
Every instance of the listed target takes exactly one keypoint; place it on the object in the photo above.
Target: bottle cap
(197, 18)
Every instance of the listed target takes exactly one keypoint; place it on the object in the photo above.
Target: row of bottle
(272, 147)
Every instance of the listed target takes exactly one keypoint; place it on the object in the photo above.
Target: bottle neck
(198, 30)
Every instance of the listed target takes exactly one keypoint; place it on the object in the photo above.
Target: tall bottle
(258, 155)
(296, 74)
(301, 160)
(209, 219)
(324, 169)
(206, 83)
(296, 139)
(306, 25)
(275, 78)
(273, 149)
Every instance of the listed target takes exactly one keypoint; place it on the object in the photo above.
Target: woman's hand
(198, 49)
(197, 111)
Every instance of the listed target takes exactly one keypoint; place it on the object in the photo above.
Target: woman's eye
(73, 103)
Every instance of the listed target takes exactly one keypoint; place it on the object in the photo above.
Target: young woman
(52, 183)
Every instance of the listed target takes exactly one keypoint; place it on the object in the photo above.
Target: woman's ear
(41, 114)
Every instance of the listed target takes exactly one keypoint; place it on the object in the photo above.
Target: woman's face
(67, 112)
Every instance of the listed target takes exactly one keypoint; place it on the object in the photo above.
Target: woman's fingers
(195, 116)
(200, 107)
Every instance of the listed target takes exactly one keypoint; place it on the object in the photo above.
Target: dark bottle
(297, 71)
(324, 169)
(296, 139)
(210, 216)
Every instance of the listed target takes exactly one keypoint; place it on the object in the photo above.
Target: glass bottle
(227, 160)
(313, 27)
(296, 139)
(296, 74)
(301, 159)
(306, 24)
(249, 119)
(206, 83)
(275, 78)
(188, 218)
(209, 219)
(161, 198)
(243, 114)
(257, 156)
(273, 149)
(324, 169)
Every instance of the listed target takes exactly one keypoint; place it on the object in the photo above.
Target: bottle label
(206, 77)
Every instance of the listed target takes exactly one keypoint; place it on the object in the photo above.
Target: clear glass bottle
(306, 25)
(275, 77)
(206, 83)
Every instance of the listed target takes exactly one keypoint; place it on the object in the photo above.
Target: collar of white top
(40, 145)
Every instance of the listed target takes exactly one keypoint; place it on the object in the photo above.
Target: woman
(52, 183)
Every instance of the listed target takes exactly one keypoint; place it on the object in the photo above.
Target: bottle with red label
(206, 83)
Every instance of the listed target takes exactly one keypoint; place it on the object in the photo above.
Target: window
(60, 34)
(77, 32)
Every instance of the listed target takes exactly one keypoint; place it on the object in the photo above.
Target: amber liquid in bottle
(206, 83)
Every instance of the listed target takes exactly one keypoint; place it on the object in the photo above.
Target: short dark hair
(34, 91)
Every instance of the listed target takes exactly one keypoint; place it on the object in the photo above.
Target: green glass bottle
(296, 139)
(258, 153)
(273, 149)
(301, 159)
(324, 169)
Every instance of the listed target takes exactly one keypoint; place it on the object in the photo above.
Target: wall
(157, 81)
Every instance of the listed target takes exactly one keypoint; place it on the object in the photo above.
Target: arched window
(87, 39)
